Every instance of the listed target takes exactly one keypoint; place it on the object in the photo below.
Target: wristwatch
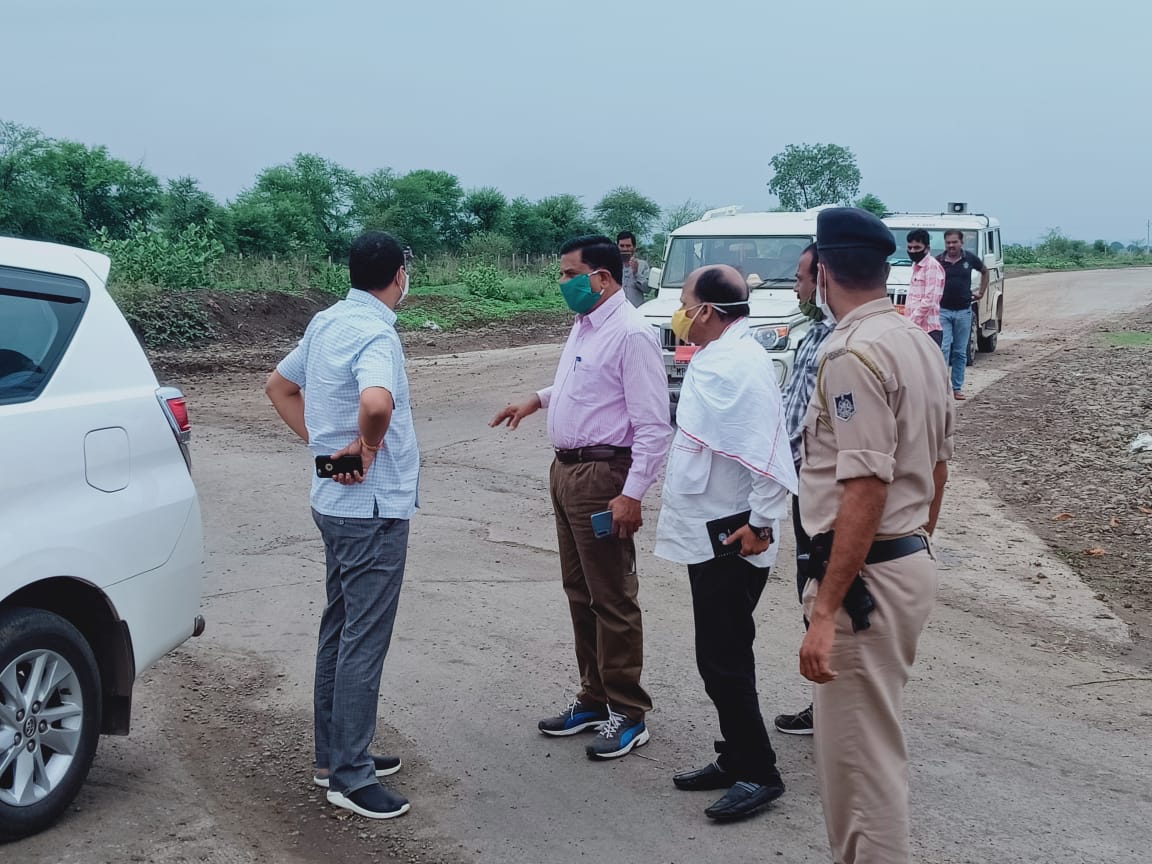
(762, 533)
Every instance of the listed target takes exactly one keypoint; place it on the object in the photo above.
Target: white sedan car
(101, 548)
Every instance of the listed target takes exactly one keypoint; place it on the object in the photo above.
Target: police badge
(845, 407)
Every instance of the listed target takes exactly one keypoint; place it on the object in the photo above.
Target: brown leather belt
(595, 453)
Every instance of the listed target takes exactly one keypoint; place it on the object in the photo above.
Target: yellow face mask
(682, 324)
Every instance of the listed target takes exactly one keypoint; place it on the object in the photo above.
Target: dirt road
(1015, 756)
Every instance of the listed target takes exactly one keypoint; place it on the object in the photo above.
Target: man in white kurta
(730, 457)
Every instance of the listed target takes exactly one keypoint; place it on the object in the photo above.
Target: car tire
(987, 344)
(58, 748)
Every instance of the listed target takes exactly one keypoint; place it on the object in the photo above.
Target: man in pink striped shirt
(926, 286)
(608, 420)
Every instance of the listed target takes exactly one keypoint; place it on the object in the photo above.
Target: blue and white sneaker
(574, 719)
(617, 737)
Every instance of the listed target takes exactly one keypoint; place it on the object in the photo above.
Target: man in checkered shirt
(344, 391)
(796, 398)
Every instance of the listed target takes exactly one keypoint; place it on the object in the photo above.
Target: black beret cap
(852, 228)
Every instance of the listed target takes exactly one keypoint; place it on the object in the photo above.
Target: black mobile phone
(326, 466)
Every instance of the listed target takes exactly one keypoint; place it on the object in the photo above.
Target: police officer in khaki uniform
(877, 439)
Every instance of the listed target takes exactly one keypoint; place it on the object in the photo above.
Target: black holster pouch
(858, 602)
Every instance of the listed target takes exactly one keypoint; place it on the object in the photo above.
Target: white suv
(101, 548)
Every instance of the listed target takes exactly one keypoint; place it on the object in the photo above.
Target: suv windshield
(900, 256)
(772, 259)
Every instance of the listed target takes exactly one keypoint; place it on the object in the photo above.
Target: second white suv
(101, 548)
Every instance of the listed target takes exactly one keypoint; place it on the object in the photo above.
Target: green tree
(527, 228)
(185, 204)
(33, 203)
(872, 204)
(108, 193)
(566, 218)
(425, 210)
(625, 209)
(313, 196)
(269, 224)
(373, 197)
(808, 175)
(484, 209)
(682, 214)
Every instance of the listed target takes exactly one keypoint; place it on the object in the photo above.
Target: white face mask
(822, 301)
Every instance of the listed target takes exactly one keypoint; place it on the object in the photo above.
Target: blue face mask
(578, 293)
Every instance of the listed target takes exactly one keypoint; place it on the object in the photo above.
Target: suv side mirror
(991, 261)
(654, 277)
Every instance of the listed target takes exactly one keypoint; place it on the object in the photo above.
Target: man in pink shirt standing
(608, 421)
(926, 286)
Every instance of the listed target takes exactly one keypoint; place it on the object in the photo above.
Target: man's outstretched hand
(513, 414)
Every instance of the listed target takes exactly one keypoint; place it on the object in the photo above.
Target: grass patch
(453, 306)
(1130, 339)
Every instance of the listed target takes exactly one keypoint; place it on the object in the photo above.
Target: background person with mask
(797, 395)
(635, 269)
(728, 457)
(608, 423)
(925, 287)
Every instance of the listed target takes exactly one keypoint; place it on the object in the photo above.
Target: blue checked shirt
(346, 349)
(803, 384)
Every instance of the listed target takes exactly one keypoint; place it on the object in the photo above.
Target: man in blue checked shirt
(344, 391)
(796, 398)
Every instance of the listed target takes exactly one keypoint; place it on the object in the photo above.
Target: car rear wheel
(49, 718)
(987, 344)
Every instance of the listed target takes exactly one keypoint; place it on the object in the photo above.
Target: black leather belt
(899, 547)
(595, 453)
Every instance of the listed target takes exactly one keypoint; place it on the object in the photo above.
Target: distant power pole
(1148, 237)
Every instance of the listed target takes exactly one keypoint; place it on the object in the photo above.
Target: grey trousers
(365, 559)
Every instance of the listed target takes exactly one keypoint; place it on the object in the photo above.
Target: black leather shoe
(744, 799)
(711, 776)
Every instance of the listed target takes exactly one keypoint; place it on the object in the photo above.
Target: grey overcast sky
(1038, 116)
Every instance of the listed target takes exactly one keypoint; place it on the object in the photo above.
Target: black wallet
(720, 529)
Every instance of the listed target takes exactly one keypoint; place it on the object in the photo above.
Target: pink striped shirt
(925, 289)
(611, 388)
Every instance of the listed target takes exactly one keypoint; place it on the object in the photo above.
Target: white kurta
(730, 453)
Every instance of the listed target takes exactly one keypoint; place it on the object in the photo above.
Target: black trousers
(725, 592)
(803, 551)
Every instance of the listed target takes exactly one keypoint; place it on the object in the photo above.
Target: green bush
(1016, 254)
(152, 258)
(163, 318)
(489, 247)
(484, 281)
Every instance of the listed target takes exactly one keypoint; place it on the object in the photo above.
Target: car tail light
(175, 408)
(178, 405)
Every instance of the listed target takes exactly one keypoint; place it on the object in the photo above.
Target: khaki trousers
(599, 577)
(861, 760)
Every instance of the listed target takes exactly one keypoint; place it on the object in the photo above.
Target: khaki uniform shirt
(882, 407)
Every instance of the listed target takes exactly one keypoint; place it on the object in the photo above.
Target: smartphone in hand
(326, 466)
(602, 524)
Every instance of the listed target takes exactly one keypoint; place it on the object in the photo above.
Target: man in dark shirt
(956, 304)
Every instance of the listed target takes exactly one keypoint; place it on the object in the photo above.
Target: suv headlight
(772, 338)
